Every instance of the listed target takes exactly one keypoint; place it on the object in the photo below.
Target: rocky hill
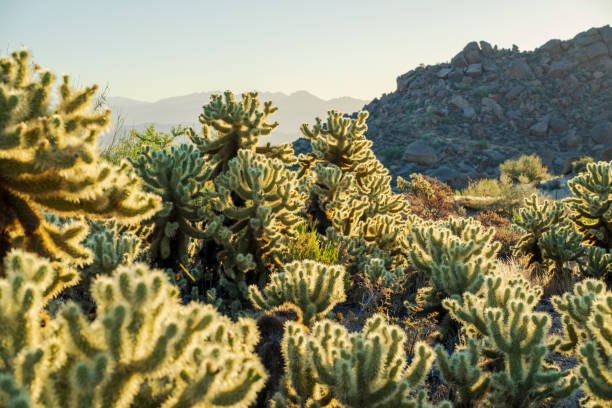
(459, 120)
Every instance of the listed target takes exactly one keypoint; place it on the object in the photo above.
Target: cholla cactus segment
(48, 162)
(110, 250)
(229, 125)
(377, 273)
(587, 320)
(456, 254)
(30, 283)
(560, 245)
(252, 231)
(576, 309)
(462, 372)
(533, 221)
(142, 337)
(312, 286)
(365, 369)
(501, 313)
(598, 264)
(341, 141)
(178, 177)
(591, 204)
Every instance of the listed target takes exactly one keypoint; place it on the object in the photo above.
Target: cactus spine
(314, 287)
(143, 346)
(48, 162)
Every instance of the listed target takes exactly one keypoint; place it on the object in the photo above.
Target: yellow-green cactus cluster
(591, 204)
(143, 345)
(178, 176)
(513, 344)
(48, 162)
(312, 286)
(329, 365)
(455, 255)
(258, 205)
(229, 126)
(587, 322)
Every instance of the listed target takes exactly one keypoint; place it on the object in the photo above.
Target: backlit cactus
(258, 203)
(533, 221)
(229, 126)
(313, 287)
(48, 161)
(587, 321)
(515, 339)
(456, 255)
(143, 346)
(591, 204)
(364, 369)
(178, 176)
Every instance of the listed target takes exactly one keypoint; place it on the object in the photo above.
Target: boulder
(551, 47)
(471, 46)
(489, 67)
(443, 73)
(520, 69)
(469, 112)
(474, 70)
(459, 61)
(558, 124)
(540, 128)
(597, 49)
(490, 105)
(587, 37)
(486, 48)
(456, 74)
(472, 57)
(572, 139)
(403, 81)
(421, 152)
(514, 92)
(459, 102)
(605, 154)
(601, 133)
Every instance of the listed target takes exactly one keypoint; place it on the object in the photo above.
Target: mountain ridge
(460, 119)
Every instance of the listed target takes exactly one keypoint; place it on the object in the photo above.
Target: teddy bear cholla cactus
(142, 343)
(178, 176)
(363, 369)
(229, 126)
(314, 287)
(587, 322)
(48, 162)
(257, 203)
(513, 347)
(591, 204)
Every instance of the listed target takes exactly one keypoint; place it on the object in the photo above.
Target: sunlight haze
(148, 50)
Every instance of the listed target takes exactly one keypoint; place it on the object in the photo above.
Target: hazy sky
(151, 49)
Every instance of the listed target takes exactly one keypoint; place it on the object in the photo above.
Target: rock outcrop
(555, 101)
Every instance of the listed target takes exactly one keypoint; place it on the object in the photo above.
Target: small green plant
(132, 145)
(482, 144)
(391, 153)
(526, 169)
(313, 287)
(580, 165)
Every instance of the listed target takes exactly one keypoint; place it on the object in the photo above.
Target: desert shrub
(526, 169)
(580, 165)
(132, 145)
(309, 244)
(428, 198)
(391, 153)
(504, 233)
(502, 194)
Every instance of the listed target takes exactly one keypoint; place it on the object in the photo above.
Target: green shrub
(580, 165)
(391, 153)
(526, 169)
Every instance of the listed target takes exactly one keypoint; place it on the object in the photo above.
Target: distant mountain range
(294, 109)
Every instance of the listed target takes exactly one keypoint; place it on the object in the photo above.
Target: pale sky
(149, 50)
